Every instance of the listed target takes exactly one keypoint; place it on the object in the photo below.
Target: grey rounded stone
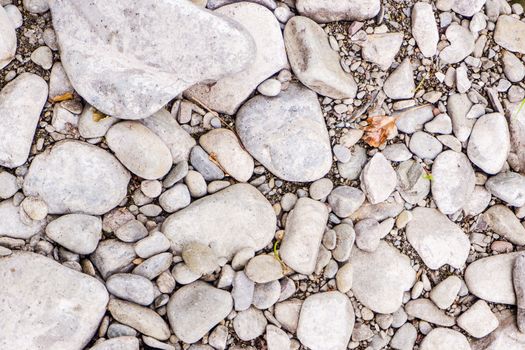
(424, 145)
(263, 269)
(249, 324)
(131, 287)
(78, 233)
(345, 200)
(199, 258)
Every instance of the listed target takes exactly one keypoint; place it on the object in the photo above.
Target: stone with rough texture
(400, 83)
(276, 338)
(336, 10)
(502, 221)
(510, 34)
(382, 49)
(381, 278)
(478, 320)
(21, 102)
(228, 152)
(139, 149)
(77, 232)
(506, 336)
(228, 221)
(287, 134)
(195, 309)
(45, 305)
(490, 278)
(74, 176)
(12, 224)
(458, 106)
(227, 94)
(7, 39)
(489, 143)
(461, 44)
(130, 73)
(326, 321)
(444, 339)
(509, 187)
(437, 240)
(304, 230)
(453, 181)
(424, 28)
(345, 200)
(112, 256)
(467, 8)
(314, 62)
(378, 179)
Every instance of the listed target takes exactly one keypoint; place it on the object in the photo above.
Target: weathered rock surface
(509, 34)
(235, 218)
(424, 28)
(334, 10)
(77, 232)
(382, 49)
(502, 221)
(12, 224)
(509, 187)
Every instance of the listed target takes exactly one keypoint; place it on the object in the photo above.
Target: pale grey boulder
(131, 74)
(338, 10)
(235, 218)
(78, 233)
(8, 39)
(326, 321)
(287, 134)
(195, 309)
(12, 224)
(65, 306)
(424, 28)
(139, 149)
(509, 187)
(509, 34)
(314, 62)
(74, 176)
(303, 234)
(21, 102)
(227, 94)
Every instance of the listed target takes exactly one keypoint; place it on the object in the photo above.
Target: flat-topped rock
(64, 177)
(38, 284)
(334, 10)
(130, 74)
(234, 218)
(287, 134)
(21, 102)
(227, 94)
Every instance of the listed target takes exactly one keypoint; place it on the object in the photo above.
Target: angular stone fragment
(382, 49)
(130, 73)
(314, 62)
(303, 234)
(412, 119)
(45, 305)
(336, 10)
(424, 28)
(21, 102)
(74, 176)
(227, 94)
(228, 221)
(510, 34)
(400, 83)
(378, 179)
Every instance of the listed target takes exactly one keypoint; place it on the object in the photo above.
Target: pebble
(8, 185)
(175, 199)
(444, 339)
(411, 120)
(400, 83)
(424, 309)
(513, 68)
(405, 337)
(367, 235)
(270, 87)
(397, 152)
(382, 49)
(118, 343)
(502, 221)
(113, 256)
(461, 44)
(242, 292)
(34, 208)
(441, 124)
(263, 269)
(78, 233)
(199, 258)
(151, 245)
(345, 200)
(424, 28)
(424, 145)
(444, 294)
(321, 188)
(265, 295)
(348, 11)
(378, 179)
(509, 34)
(276, 339)
(14, 15)
(249, 324)
(478, 320)
(9, 40)
(131, 287)
(131, 231)
(154, 266)
(509, 187)
(43, 57)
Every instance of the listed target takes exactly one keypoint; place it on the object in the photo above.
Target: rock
(118, 343)
(412, 119)
(131, 231)
(175, 199)
(367, 235)
(139, 149)
(263, 269)
(444, 294)
(378, 179)
(43, 57)
(509, 34)
(490, 278)
(183, 275)
(352, 169)
(489, 143)
(502, 221)
(228, 152)
(453, 181)
(14, 15)
(326, 321)
(60, 177)
(199, 258)
(78, 233)
(509, 187)
(314, 62)
(270, 87)
(34, 282)
(154, 266)
(144, 320)
(201, 162)
(381, 278)
(478, 202)
(301, 153)
(8, 39)
(195, 309)
(463, 83)
(226, 95)
(154, 244)
(35, 6)
(304, 230)
(458, 106)
(345, 200)
(444, 339)
(425, 146)
(131, 80)
(461, 44)
(424, 28)
(441, 124)
(227, 221)
(249, 324)
(344, 278)
(425, 310)
(242, 292)
(506, 336)
(333, 10)
(12, 224)
(21, 102)
(320, 189)
(59, 84)
(478, 320)
(382, 49)
(405, 337)
(265, 295)
(88, 127)
(131, 287)
(400, 83)
(8, 185)
(518, 279)
(437, 240)
(287, 313)
(345, 237)
(196, 184)
(113, 256)
(277, 339)
(513, 68)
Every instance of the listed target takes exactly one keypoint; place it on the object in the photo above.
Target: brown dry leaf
(98, 116)
(378, 129)
(65, 97)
